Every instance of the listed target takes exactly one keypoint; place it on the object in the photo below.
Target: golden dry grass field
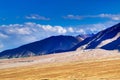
(101, 69)
(98, 70)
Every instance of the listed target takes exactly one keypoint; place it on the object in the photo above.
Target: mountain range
(46, 46)
(108, 39)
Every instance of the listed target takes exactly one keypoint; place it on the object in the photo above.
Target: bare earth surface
(79, 65)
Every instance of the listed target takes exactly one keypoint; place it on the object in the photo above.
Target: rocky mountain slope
(108, 39)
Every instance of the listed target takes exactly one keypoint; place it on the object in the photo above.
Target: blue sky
(15, 11)
(25, 21)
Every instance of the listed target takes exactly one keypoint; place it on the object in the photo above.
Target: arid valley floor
(88, 65)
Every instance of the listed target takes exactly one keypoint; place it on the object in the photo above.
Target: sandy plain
(78, 65)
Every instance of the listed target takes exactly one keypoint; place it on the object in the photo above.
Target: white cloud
(80, 17)
(47, 27)
(110, 16)
(94, 28)
(81, 31)
(19, 30)
(58, 29)
(37, 17)
(70, 29)
(76, 17)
